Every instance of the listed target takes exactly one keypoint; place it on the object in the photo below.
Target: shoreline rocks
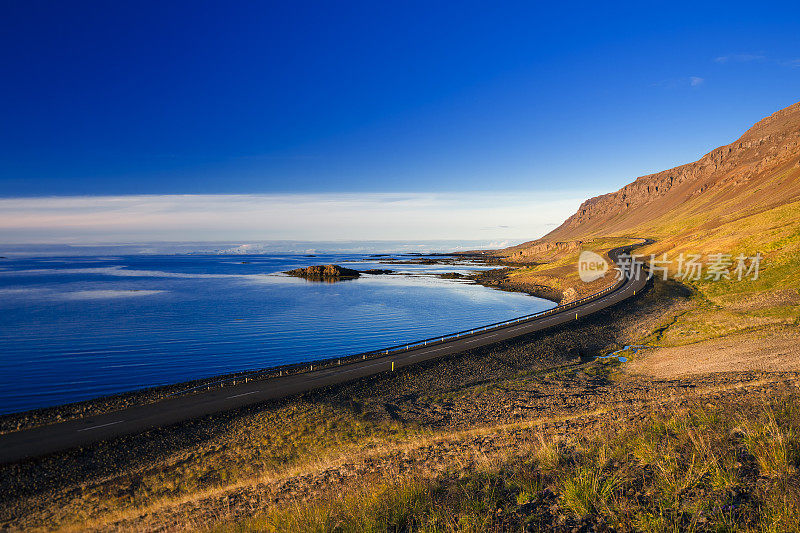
(324, 273)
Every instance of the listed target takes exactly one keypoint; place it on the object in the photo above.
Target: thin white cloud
(675, 83)
(757, 58)
(740, 58)
(317, 217)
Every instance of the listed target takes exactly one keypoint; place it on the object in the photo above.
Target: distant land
(255, 247)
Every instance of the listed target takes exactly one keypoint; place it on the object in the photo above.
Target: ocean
(76, 328)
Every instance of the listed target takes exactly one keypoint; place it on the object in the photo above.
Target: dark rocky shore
(499, 279)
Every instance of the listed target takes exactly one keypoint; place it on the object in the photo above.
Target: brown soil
(775, 350)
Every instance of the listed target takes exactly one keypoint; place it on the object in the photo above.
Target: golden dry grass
(728, 467)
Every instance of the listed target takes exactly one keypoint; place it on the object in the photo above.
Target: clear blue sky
(116, 98)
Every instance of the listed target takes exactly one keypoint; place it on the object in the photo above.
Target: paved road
(74, 433)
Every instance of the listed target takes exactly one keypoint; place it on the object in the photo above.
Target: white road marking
(102, 425)
(481, 338)
(431, 351)
(242, 394)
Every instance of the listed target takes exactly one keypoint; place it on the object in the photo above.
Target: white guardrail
(298, 368)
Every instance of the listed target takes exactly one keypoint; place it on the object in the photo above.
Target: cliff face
(759, 171)
(540, 251)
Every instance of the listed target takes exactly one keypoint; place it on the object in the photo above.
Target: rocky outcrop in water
(324, 273)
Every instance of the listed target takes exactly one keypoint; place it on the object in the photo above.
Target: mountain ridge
(729, 174)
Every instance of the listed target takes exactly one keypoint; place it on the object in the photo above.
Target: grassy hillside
(742, 198)
(708, 468)
(728, 306)
(560, 272)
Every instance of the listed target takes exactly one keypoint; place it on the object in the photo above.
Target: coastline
(498, 279)
(22, 420)
(423, 419)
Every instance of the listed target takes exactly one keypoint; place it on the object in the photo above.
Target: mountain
(756, 173)
(741, 198)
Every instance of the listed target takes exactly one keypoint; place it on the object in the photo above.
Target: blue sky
(311, 98)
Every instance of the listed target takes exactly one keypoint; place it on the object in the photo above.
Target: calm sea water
(81, 327)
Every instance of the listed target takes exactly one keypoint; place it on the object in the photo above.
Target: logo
(591, 266)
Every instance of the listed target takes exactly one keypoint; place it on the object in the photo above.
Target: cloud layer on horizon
(373, 216)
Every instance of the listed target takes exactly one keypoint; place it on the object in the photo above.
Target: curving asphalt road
(52, 438)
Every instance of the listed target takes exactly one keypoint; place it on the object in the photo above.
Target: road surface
(52, 438)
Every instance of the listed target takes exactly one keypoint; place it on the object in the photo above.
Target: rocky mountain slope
(740, 199)
(757, 172)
